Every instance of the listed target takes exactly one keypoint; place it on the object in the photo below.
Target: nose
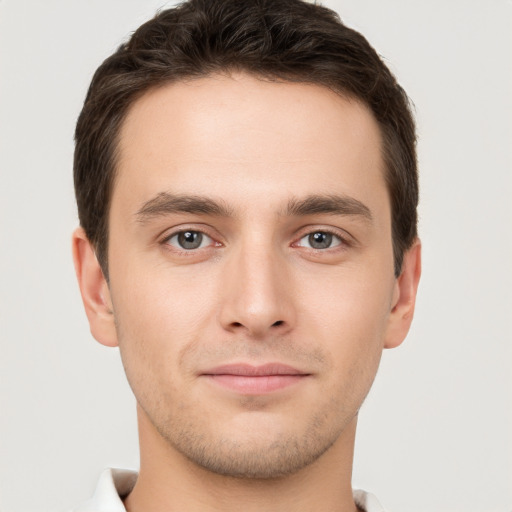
(257, 293)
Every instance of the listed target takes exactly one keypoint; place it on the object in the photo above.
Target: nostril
(278, 323)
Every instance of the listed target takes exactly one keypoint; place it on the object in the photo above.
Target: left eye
(189, 240)
(320, 240)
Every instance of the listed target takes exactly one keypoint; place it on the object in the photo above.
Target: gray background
(435, 432)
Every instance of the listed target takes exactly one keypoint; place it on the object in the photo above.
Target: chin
(253, 460)
(261, 448)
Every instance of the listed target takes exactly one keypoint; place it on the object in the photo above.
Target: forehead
(242, 136)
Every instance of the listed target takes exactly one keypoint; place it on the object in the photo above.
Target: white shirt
(115, 484)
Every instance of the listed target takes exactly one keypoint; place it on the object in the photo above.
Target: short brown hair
(290, 40)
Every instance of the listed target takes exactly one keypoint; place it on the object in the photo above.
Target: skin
(259, 289)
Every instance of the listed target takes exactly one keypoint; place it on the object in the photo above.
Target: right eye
(189, 240)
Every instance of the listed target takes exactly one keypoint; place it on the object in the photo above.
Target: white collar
(114, 484)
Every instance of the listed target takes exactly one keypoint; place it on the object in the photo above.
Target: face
(251, 268)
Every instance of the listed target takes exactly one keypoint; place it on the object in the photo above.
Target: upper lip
(249, 370)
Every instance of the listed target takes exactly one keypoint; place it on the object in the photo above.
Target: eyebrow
(166, 203)
(328, 204)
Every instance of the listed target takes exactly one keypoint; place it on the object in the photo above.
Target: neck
(170, 482)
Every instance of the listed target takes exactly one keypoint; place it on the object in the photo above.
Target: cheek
(349, 316)
(350, 307)
(156, 318)
(163, 302)
(162, 313)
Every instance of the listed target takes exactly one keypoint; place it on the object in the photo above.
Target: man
(245, 175)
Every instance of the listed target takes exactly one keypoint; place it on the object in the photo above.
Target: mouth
(255, 380)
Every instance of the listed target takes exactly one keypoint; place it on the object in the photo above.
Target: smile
(255, 380)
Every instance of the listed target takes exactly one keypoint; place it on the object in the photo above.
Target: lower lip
(256, 385)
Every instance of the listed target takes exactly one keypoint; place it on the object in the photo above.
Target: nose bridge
(256, 295)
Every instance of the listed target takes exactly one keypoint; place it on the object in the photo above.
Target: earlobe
(94, 290)
(404, 297)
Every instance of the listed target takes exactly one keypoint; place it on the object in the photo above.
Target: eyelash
(344, 243)
(183, 251)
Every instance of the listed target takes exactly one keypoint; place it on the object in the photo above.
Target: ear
(94, 290)
(404, 297)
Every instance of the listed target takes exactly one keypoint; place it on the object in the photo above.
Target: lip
(255, 380)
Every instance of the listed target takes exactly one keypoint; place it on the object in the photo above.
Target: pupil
(320, 240)
(190, 239)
